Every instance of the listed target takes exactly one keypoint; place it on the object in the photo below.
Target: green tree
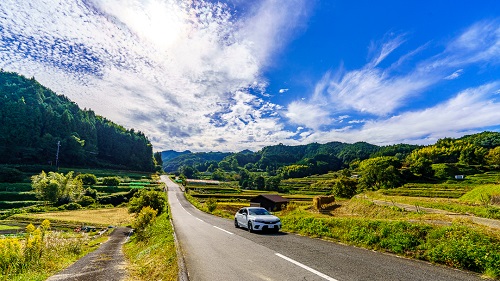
(157, 200)
(345, 187)
(493, 156)
(379, 172)
(273, 183)
(259, 182)
(56, 187)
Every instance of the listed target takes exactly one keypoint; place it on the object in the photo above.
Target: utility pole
(57, 155)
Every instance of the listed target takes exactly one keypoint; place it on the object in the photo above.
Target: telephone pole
(57, 155)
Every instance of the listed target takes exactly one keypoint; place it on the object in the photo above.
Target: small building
(271, 202)
(459, 177)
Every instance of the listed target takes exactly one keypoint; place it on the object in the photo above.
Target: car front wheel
(250, 227)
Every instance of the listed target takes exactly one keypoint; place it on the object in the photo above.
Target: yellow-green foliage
(145, 217)
(481, 194)
(11, 255)
(40, 254)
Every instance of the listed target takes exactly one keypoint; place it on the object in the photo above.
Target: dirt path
(411, 208)
(106, 263)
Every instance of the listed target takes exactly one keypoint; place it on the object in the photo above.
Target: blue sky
(236, 74)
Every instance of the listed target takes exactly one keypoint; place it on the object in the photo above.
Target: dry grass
(112, 216)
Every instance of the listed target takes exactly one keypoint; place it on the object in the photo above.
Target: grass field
(103, 217)
(8, 227)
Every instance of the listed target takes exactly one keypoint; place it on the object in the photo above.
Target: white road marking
(223, 230)
(200, 219)
(306, 267)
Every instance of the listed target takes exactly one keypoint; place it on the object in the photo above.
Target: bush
(86, 201)
(145, 217)
(157, 200)
(111, 181)
(211, 204)
(70, 206)
(90, 192)
(87, 179)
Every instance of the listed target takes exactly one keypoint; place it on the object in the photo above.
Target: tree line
(37, 123)
(360, 166)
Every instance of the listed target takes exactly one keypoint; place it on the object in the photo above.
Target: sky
(237, 74)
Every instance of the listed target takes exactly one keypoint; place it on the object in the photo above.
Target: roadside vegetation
(40, 252)
(151, 250)
(74, 201)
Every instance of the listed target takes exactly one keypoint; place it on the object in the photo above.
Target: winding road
(213, 249)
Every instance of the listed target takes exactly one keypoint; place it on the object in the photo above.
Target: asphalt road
(214, 249)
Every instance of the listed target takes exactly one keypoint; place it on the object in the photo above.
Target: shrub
(111, 181)
(145, 217)
(88, 179)
(211, 204)
(90, 192)
(70, 206)
(86, 201)
(157, 200)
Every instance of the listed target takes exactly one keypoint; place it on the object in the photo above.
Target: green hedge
(15, 187)
(17, 196)
(16, 204)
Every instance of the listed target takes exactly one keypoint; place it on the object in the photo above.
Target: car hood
(266, 218)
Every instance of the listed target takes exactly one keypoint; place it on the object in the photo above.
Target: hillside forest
(37, 123)
(360, 166)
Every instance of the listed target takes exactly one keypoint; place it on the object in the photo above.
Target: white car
(256, 218)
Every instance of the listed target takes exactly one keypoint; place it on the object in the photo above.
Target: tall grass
(40, 253)
(153, 257)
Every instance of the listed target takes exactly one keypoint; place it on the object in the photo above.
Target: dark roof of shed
(272, 197)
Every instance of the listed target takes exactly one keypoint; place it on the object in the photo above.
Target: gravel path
(106, 263)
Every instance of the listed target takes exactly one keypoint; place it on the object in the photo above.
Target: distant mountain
(328, 156)
(171, 154)
(192, 159)
(37, 124)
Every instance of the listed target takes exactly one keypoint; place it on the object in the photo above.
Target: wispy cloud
(378, 96)
(454, 75)
(461, 113)
(184, 72)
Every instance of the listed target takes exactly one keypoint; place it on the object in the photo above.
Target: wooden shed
(271, 202)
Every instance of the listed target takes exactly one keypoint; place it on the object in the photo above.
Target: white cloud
(282, 91)
(461, 113)
(182, 72)
(454, 75)
(375, 93)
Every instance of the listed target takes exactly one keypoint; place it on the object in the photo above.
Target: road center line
(306, 267)
(200, 219)
(223, 230)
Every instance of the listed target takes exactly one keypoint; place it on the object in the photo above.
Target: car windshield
(258, 212)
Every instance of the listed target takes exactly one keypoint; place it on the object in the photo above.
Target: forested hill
(34, 119)
(324, 157)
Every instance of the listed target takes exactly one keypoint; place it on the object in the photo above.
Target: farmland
(362, 222)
